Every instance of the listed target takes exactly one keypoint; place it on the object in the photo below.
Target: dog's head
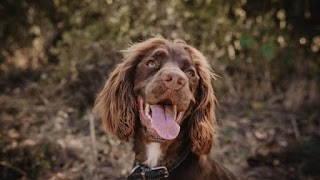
(160, 85)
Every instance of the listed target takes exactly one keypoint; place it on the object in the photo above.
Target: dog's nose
(173, 79)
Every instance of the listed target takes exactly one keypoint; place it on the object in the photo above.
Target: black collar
(140, 171)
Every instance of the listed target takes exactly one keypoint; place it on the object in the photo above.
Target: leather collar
(142, 172)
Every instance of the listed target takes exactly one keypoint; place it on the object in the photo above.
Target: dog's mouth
(161, 120)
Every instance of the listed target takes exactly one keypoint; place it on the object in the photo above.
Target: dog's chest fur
(154, 154)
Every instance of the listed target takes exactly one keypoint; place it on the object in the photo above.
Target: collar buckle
(143, 172)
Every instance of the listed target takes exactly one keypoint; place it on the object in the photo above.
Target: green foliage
(289, 59)
(257, 35)
(268, 50)
(247, 41)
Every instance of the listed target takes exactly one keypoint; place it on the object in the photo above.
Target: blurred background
(55, 55)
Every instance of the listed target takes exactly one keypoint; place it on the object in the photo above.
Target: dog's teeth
(175, 110)
(147, 111)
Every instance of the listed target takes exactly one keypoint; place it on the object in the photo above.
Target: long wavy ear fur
(203, 121)
(116, 103)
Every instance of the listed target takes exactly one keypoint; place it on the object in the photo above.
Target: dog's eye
(151, 63)
(190, 73)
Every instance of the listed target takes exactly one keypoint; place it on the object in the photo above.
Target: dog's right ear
(116, 103)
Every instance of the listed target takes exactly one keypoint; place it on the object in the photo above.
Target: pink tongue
(163, 121)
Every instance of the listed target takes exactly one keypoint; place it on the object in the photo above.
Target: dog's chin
(154, 137)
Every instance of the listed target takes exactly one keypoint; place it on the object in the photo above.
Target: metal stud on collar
(161, 168)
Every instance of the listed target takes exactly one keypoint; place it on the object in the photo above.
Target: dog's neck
(153, 154)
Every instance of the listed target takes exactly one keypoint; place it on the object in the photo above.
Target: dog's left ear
(203, 121)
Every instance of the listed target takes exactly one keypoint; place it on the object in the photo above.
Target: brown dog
(161, 97)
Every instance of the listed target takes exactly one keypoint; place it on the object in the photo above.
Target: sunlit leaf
(257, 105)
